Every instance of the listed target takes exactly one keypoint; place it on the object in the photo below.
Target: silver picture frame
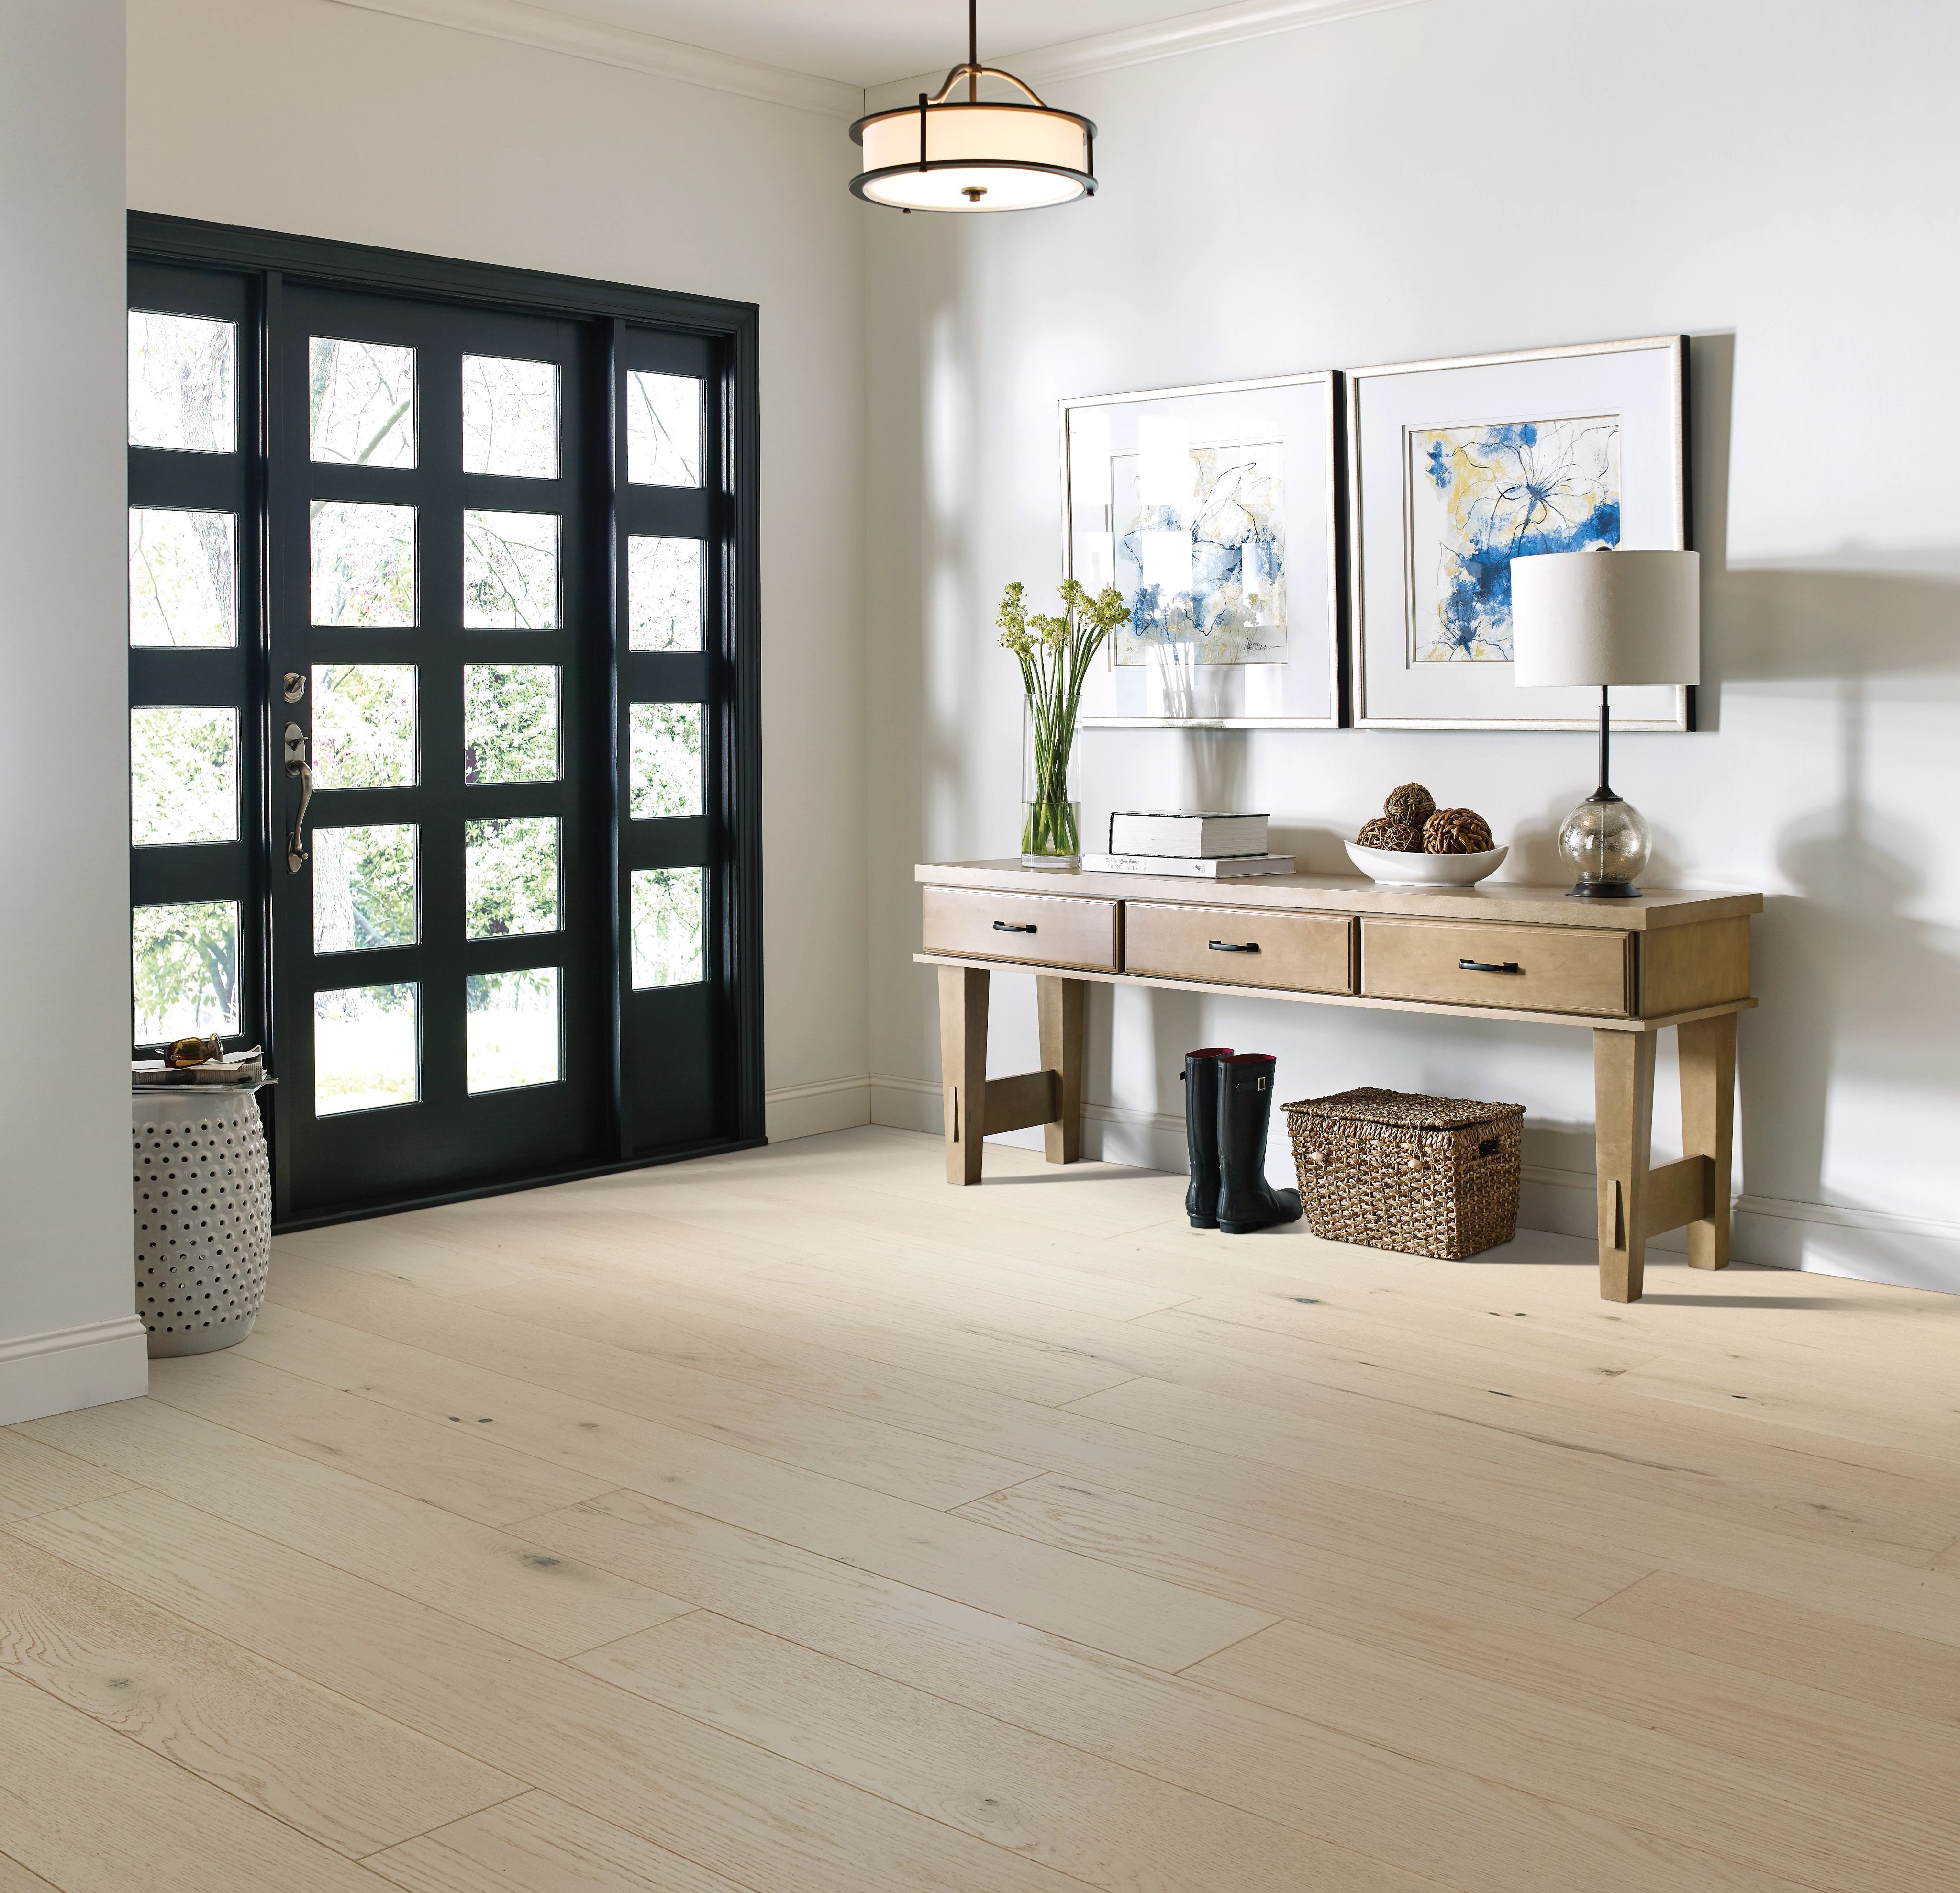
(1328, 663)
(1379, 607)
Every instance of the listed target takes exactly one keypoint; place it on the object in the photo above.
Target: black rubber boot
(1246, 1201)
(1200, 1132)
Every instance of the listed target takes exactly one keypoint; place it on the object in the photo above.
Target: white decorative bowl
(1400, 870)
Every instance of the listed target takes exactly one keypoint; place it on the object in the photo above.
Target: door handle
(1012, 926)
(1226, 946)
(297, 765)
(1487, 966)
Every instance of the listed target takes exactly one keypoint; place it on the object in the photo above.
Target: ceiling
(866, 43)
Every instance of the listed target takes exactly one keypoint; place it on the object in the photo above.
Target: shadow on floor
(1075, 1173)
(1745, 1301)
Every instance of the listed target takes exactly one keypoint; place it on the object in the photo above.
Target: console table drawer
(1050, 929)
(1239, 946)
(1534, 969)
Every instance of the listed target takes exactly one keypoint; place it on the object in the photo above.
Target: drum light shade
(977, 157)
(969, 154)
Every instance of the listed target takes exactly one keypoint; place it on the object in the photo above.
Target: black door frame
(729, 331)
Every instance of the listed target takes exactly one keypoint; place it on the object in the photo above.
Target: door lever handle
(297, 765)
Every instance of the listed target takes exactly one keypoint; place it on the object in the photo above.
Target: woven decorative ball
(1411, 803)
(1397, 836)
(1456, 831)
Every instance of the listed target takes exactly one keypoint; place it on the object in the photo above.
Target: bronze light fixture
(968, 154)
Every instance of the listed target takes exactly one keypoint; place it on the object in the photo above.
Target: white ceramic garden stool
(203, 1198)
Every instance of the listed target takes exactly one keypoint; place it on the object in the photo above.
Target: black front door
(443, 719)
(439, 609)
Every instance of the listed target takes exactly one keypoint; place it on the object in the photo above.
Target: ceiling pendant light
(948, 154)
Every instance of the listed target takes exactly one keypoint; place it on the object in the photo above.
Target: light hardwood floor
(795, 1523)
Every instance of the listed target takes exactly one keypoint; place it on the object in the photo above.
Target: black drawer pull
(1487, 966)
(1226, 946)
(1013, 926)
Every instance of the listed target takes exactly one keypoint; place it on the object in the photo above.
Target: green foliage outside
(186, 970)
(664, 765)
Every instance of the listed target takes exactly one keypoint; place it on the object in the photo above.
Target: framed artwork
(1454, 469)
(1214, 510)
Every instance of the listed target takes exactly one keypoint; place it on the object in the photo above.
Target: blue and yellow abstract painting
(1200, 540)
(1479, 497)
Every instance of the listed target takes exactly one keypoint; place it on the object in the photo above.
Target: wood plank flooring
(793, 1523)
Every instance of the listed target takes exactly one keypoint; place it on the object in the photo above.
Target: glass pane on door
(184, 969)
(510, 876)
(183, 577)
(513, 1034)
(367, 1048)
(510, 417)
(510, 571)
(364, 564)
(183, 775)
(362, 403)
(364, 888)
(364, 725)
(510, 723)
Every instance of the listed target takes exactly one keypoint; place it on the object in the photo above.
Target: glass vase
(1050, 796)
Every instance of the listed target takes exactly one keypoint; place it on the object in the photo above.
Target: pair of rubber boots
(1228, 1107)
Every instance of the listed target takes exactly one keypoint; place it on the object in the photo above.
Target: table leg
(1708, 1127)
(1062, 1004)
(1622, 1073)
(962, 1065)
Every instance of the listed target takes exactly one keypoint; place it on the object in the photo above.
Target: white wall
(334, 121)
(69, 1336)
(1443, 179)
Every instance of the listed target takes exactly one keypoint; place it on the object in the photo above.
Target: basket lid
(1368, 1105)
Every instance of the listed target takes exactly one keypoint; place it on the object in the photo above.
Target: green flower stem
(1055, 654)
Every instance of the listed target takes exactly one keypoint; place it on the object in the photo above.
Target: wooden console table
(1622, 969)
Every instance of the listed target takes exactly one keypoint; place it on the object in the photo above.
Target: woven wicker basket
(1428, 1176)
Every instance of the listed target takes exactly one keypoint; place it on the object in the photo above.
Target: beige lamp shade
(1606, 617)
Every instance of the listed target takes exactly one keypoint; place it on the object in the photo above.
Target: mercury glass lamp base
(1605, 843)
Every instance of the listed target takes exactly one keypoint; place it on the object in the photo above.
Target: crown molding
(1161, 39)
(552, 31)
(579, 38)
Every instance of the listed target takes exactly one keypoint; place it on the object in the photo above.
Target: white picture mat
(1641, 384)
(1297, 411)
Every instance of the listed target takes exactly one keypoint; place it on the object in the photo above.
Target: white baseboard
(1867, 1245)
(809, 1111)
(71, 1367)
(906, 1103)
(1821, 1238)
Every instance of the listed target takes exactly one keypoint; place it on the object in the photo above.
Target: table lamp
(1606, 617)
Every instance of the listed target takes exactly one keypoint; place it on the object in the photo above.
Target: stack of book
(1209, 845)
(245, 1067)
